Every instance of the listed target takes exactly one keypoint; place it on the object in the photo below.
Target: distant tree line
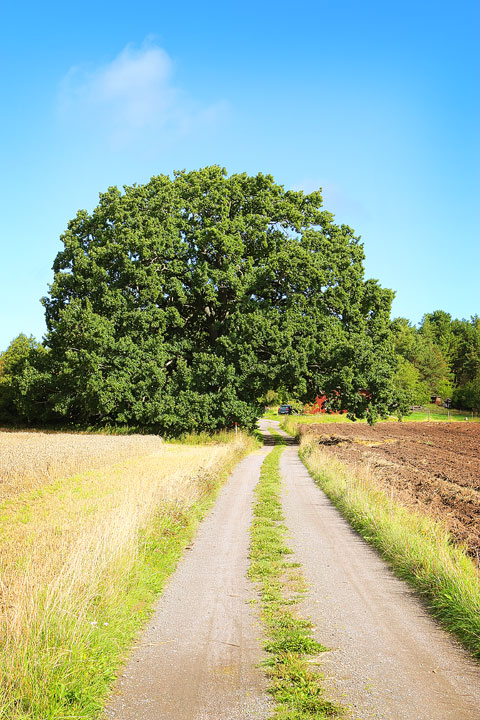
(181, 304)
(441, 357)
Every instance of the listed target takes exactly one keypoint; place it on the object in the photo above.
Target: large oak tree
(177, 304)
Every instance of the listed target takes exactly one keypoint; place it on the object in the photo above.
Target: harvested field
(72, 552)
(31, 459)
(433, 467)
(70, 520)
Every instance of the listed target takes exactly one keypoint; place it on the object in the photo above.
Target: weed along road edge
(388, 659)
(198, 658)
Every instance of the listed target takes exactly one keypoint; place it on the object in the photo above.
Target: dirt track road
(389, 660)
(197, 659)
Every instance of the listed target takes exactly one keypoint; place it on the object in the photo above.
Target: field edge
(418, 549)
(80, 684)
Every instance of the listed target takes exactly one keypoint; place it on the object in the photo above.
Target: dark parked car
(285, 410)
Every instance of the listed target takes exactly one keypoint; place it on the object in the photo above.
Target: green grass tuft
(295, 686)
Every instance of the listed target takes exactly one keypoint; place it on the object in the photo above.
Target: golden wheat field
(66, 542)
(29, 459)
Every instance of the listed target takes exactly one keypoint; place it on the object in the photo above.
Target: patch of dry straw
(31, 459)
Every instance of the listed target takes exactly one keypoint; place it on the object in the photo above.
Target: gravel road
(198, 657)
(389, 660)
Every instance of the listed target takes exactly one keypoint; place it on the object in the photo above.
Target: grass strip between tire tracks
(295, 686)
(418, 548)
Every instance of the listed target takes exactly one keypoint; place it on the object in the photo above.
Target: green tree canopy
(436, 328)
(466, 360)
(177, 303)
(467, 397)
(15, 367)
(428, 350)
(411, 390)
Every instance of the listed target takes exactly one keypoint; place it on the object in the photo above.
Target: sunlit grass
(30, 459)
(296, 688)
(432, 413)
(419, 549)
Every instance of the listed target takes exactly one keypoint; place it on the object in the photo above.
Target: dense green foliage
(16, 367)
(184, 304)
(177, 304)
(441, 357)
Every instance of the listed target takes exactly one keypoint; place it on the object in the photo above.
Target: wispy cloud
(134, 93)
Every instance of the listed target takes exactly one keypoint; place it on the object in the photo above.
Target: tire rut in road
(388, 658)
(198, 658)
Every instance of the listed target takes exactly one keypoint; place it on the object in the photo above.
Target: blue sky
(378, 103)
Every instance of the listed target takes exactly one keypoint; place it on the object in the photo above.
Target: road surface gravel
(388, 659)
(198, 657)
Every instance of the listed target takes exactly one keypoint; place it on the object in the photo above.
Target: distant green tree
(422, 348)
(16, 362)
(405, 338)
(271, 397)
(411, 390)
(433, 368)
(466, 360)
(437, 329)
(178, 303)
(467, 397)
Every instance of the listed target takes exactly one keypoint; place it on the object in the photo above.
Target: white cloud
(134, 93)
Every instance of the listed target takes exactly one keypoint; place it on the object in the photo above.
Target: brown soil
(434, 467)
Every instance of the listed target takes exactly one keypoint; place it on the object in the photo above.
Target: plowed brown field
(434, 467)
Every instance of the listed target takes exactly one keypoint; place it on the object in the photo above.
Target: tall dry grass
(67, 551)
(31, 459)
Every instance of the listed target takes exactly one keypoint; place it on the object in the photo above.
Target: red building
(320, 405)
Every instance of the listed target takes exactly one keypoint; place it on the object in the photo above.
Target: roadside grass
(290, 423)
(419, 549)
(434, 413)
(82, 561)
(271, 414)
(295, 686)
(204, 438)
